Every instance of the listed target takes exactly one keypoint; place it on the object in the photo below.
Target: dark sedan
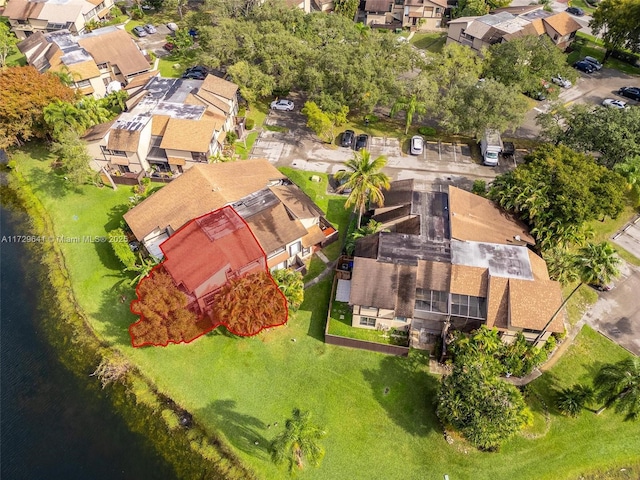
(362, 141)
(578, 12)
(584, 66)
(630, 92)
(347, 138)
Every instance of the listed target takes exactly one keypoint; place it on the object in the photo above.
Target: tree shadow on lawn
(244, 432)
(403, 386)
(109, 260)
(115, 315)
(51, 183)
(115, 216)
(316, 300)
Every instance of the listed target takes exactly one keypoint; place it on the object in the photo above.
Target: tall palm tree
(365, 180)
(60, 115)
(594, 263)
(411, 106)
(299, 442)
(571, 401)
(619, 384)
(95, 110)
(630, 170)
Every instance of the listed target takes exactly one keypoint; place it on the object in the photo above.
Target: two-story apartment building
(451, 260)
(27, 17)
(413, 14)
(502, 26)
(174, 124)
(93, 60)
(284, 220)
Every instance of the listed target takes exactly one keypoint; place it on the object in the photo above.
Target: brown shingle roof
(469, 280)
(141, 80)
(296, 201)
(433, 276)
(191, 135)
(81, 70)
(22, 9)
(209, 100)
(118, 48)
(274, 228)
(122, 139)
(538, 267)
(377, 5)
(477, 219)
(199, 190)
(562, 23)
(374, 284)
(97, 131)
(498, 303)
(532, 304)
(219, 86)
(159, 124)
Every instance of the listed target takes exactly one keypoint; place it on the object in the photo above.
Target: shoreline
(185, 445)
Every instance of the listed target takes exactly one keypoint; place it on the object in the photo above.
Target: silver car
(612, 103)
(150, 28)
(282, 105)
(417, 145)
(563, 82)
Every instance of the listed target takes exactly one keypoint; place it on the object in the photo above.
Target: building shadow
(244, 432)
(403, 386)
(316, 300)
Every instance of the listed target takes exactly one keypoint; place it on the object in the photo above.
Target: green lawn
(433, 42)
(243, 150)
(170, 67)
(377, 409)
(605, 230)
(315, 268)
(342, 326)
(16, 59)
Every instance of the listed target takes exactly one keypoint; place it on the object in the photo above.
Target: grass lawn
(240, 145)
(170, 67)
(342, 326)
(588, 45)
(377, 409)
(315, 268)
(258, 112)
(16, 60)
(432, 42)
(605, 230)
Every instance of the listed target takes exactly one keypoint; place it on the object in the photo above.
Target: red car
(169, 47)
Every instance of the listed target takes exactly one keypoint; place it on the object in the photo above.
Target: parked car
(630, 92)
(611, 103)
(196, 73)
(584, 66)
(347, 138)
(578, 12)
(563, 82)
(139, 31)
(282, 105)
(193, 32)
(169, 47)
(417, 145)
(150, 28)
(172, 26)
(362, 141)
(593, 61)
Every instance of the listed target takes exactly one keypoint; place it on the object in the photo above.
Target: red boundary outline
(213, 326)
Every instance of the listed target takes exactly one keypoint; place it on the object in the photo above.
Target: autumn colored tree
(248, 304)
(25, 93)
(163, 308)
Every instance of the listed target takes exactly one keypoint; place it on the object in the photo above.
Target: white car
(417, 145)
(172, 26)
(563, 82)
(282, 105)
(611, 103)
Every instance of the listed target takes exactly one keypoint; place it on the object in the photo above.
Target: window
(400, 319)
(432, 301)
(295, 249)
(117, 153)
(199, 157)
(468, 306)
(83, 83)
(367, 322)
(437, 10)
(555, 37)
(276, 252)
(102, 66)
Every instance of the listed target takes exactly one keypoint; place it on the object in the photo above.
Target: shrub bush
(427, 131)
(250, 123)
(231, 138)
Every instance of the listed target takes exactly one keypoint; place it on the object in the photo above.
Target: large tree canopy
(25, 93)
(557, 190)
(619, 23)
(613, 133)
(525, 62)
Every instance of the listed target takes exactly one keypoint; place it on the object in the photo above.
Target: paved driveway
(616, 314)
(154, 42)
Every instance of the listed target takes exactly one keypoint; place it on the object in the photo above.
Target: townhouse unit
(450, 260)
(27, 17)
(96, 62)
(413, 14)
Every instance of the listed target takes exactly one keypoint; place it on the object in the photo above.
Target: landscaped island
(238, 388)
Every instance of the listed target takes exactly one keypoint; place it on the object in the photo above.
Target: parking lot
(153, 42)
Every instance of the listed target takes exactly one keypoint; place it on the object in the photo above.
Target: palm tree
(411, 106)
(291, 285)
(370, 228)
(365, 179)
(95, 111)
(571, 401)
(61, 115)
(630, 170)
(116, 101)
(143, 269)
(619, 384)
(594, 263)
(299, 442)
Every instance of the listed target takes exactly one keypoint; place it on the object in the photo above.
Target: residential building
(27, 17)
(482, 32)
(95, 61)
(450, 260)
(172, 124)
(209, 251)
(285, 221)
(413, 14)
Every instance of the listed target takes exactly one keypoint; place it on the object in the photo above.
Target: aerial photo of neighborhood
(320, 239)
